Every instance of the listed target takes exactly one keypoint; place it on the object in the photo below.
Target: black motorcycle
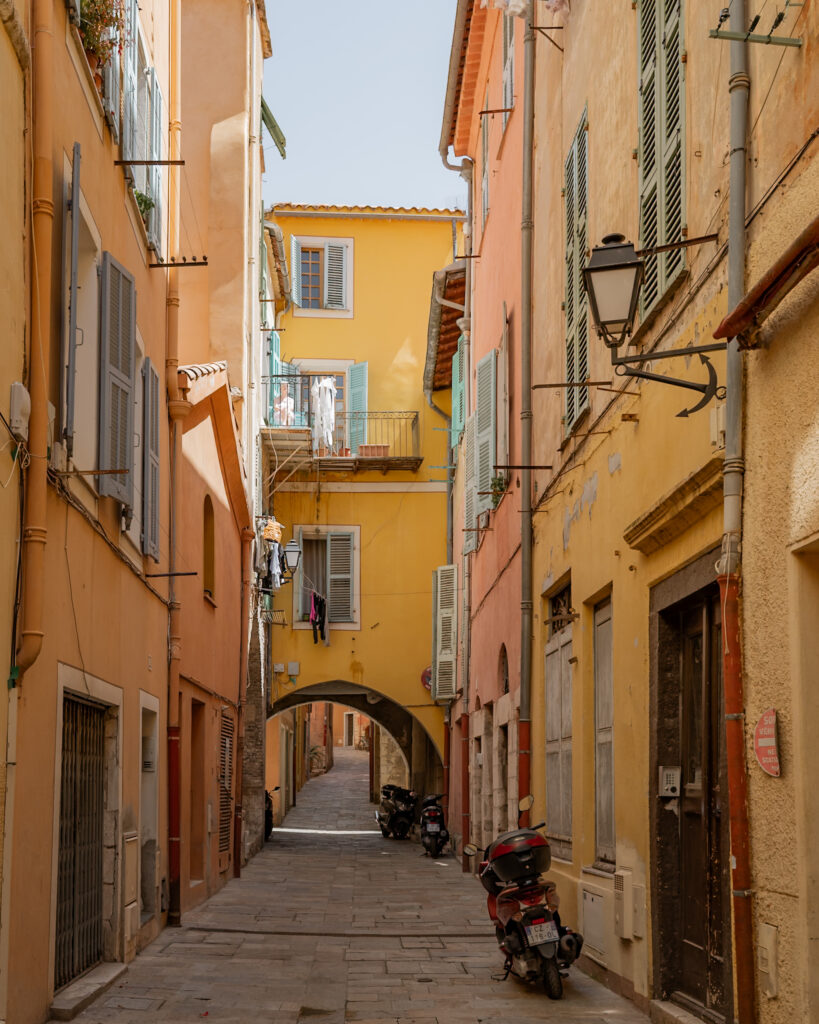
(434, 835)
(396, 812)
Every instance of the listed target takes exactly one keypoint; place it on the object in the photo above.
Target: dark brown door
(703, 867)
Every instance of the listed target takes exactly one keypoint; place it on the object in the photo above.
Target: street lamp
(613, 278)
(292, 555)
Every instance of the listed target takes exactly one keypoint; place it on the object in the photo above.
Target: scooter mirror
(525, 802)
(470, 849)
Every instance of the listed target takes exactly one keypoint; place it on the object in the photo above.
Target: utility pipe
(729, 565)
(178, 408)
(247, 545)
(35, 532)
(526, 233)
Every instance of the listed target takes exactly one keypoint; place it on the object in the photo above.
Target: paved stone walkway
(333, 928)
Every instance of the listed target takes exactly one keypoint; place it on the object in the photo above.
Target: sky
(358, 90)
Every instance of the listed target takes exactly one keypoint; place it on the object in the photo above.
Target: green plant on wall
(102, 27)
(144, 202)
(499, 485)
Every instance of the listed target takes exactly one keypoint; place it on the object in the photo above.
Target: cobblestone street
(335, 928)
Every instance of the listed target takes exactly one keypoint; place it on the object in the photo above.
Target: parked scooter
(396, 813)
(434, 835)
(523, 907)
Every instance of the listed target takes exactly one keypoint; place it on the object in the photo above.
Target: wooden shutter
(558, 747)
(116, 407)
(69, 361)
(150, 461)
(295, 268)
(443, 684)
(661, 120)
(335, 276)
(485, 424)
(575, 194)
(340, 550)
(154, 171)
(111, 88)
(470, 511)
(604, 735)
(130, 60)
(357, 405)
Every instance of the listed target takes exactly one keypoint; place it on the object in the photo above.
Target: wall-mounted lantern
(292, 556)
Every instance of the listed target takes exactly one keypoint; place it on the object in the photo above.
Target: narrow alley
(333, 924)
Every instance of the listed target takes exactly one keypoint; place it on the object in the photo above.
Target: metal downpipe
(729, 567)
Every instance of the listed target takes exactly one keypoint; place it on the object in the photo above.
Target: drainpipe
(247, 544)
(178, 408)
(729, 565)
(34, 522)
(526, 232)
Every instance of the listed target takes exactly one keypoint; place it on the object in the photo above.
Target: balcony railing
(349, 435)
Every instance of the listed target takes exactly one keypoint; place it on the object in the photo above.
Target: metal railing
(385, 435)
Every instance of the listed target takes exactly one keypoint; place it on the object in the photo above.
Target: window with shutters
(444, 631)
(322, 275)
(470, 497)
(485, 430)
(575, 201)
(558, 746)
(605, 851)
(508, 57)
(329, 567)
(458, 394)
(134, 530)
(662, 143)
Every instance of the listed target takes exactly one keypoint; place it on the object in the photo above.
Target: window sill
(323, 314)
(598, 869)
(304, 626)
(209, 598)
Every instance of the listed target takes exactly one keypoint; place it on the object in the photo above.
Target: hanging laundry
(318, 609)
(272, 530)
(275, 566)
(323, 398)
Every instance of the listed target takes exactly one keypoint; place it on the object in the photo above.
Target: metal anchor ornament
(623, 367)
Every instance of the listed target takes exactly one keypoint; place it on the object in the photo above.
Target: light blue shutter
(470, 512)
(154, 171)
(295, 270)
(150, 461)
(458, 394)
(116, 406)
(301, 397)
(69, 362)
(274, 370)
(335, 276)
(357, 405)
(485, 430)
(443, 680)
(340, 577)
(111, 88)
(130, 58)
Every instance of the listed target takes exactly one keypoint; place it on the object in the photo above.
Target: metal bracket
(741, 37)
(623, 368)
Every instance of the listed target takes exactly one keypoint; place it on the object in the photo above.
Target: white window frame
(312, 531)
(321, 242)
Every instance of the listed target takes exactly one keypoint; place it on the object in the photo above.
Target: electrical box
(718, 425)
(278, 666)
(767, 955)
(670, 777)
(19, 411)
(293, 668)
(623, 905)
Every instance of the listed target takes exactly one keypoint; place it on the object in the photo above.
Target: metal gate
(79, 941)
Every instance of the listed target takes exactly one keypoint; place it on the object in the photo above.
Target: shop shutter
(130, 59)
(154, 171)
(470, 511)
(340, 550)
(443, 687)
(357, 405)
(69, 360)
(335, 276)
(295, 270)
(485, 426)
(111, 89)
(116, 406)
(150, 461)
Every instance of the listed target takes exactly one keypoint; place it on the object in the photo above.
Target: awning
(272, 126)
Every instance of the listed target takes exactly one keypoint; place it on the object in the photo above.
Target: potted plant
(102, 28)
(145, 204)
(499, 485)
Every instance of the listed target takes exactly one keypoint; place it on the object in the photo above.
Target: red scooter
(527, 928)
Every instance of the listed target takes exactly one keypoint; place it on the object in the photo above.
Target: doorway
(692, 883)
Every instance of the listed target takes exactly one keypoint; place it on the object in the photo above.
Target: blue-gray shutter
(485, 430)
(470, 512)
(111, 88)
(671, 141)
(295, 270)
(335, 276)
(443, 680)
(116, 406)
(154, 225)
(130, 60)
(300, 396)
(274, 370)
(340, 549)
(357, 405)
(69, 362)
(150, 460)
(575, 193)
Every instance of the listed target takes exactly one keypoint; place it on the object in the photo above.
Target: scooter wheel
(385, 832)
(400, 829)
(552, 982)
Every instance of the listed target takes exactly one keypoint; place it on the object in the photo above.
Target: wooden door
(703, 868)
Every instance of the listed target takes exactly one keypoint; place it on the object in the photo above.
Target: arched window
(208, 550)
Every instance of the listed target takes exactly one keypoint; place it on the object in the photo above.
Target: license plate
(537, 933)
(433, 828)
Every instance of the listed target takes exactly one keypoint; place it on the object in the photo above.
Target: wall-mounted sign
(765, 748)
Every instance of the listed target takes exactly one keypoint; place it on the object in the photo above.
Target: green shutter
(458, 394)
(295, 270)
(150, 461)
(274, 371)
(116, 407)
(470, 512)
(485, 430)
(340, 549)
(335, 276)
(357, 405)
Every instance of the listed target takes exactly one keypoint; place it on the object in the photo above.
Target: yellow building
(354, 468)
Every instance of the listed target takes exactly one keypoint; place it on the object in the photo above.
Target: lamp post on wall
(292, 556)
(613, 278)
